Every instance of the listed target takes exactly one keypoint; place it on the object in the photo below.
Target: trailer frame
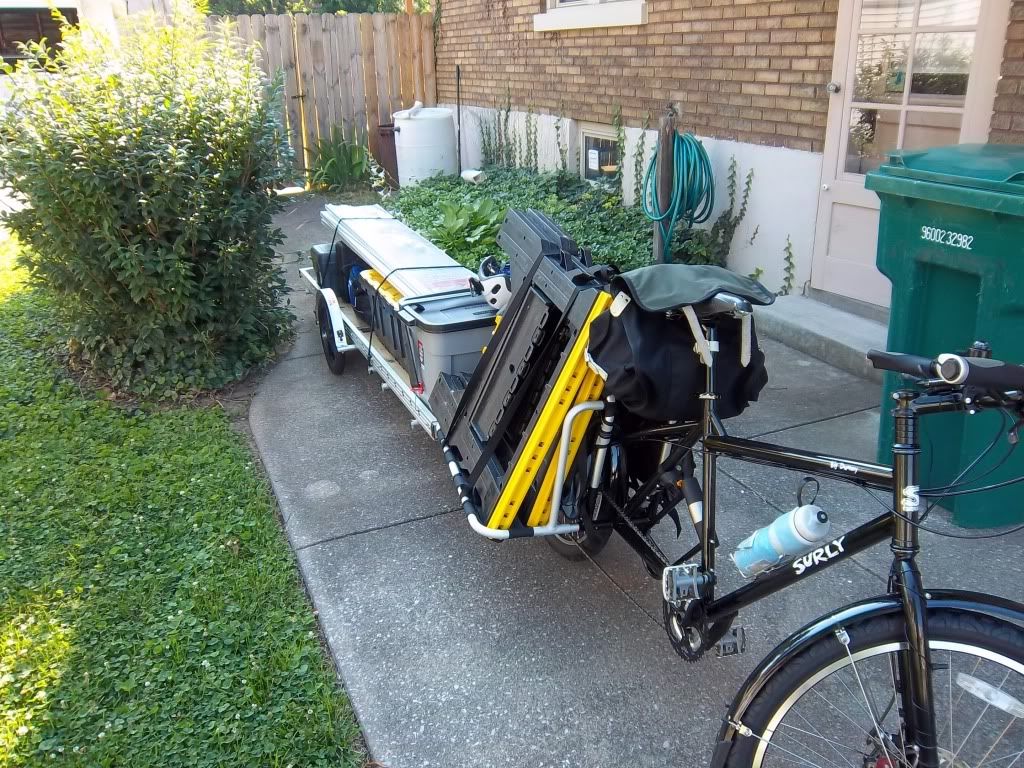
(352, 334)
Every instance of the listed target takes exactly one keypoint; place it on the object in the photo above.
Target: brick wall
(1008, 116)
(749, 70)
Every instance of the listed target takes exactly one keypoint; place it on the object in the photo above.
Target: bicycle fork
(913, 671)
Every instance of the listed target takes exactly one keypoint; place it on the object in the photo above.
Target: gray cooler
(449, 332)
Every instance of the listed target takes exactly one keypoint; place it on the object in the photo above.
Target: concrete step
(837, 337)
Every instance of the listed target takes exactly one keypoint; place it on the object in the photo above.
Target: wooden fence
(344, 73)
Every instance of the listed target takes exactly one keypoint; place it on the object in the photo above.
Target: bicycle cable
(979, 489)
(917, 523)
(956, 487)
(959, 480)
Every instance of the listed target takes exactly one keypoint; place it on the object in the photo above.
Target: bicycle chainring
(686, 629)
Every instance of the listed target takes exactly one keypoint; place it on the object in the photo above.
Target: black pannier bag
(649, 357)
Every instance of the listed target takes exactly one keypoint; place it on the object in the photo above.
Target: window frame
(594, 131)
(590, 14)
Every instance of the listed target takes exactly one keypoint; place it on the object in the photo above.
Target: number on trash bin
(945, 237)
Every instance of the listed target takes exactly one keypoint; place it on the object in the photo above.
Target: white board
(408, 261)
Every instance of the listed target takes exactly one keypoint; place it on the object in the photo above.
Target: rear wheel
(837, 705)
(328, 337)
(578, 546)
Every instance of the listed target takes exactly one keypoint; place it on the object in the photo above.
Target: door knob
(833, 87)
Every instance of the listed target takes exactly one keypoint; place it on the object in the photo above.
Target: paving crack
(284, 360)
(811, 422)
(376, 528)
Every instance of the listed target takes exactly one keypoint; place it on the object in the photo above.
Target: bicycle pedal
(682, 582)
(732, 643)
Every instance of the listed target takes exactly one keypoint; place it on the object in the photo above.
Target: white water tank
(424, 143)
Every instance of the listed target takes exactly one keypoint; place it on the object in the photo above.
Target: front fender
(956, 600)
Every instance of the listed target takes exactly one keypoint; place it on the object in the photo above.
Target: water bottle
(794, 533)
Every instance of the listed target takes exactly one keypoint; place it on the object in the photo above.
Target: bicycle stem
(914, 664)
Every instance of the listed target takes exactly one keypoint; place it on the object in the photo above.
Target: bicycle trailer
(401, 302)
(510, 397)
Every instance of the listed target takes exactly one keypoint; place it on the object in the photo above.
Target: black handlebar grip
(993, 374)
(911, 365)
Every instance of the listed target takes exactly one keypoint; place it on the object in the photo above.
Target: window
(600, 156)
(910, 72)
(586, 14)
(24, 25)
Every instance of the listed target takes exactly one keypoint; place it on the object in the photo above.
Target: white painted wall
(783, 200)
(547, 135)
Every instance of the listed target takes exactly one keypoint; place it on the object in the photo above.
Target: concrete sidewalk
(457, 651)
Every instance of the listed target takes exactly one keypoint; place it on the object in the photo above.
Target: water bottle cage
(805, 484)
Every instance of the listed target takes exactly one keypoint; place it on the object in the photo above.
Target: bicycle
(913, 678)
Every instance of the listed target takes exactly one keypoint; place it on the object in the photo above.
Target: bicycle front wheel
(836, 704)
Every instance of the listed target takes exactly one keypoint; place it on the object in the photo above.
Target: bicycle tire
(335, 359)
(997, 643)
(584, 544)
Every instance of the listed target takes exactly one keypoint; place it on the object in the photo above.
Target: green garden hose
(693, 188)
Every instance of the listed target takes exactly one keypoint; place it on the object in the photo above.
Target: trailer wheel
(328, 339)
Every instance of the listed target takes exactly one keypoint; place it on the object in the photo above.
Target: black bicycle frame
(866, 474)
(899, 525)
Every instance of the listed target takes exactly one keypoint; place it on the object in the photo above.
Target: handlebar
(953, 369)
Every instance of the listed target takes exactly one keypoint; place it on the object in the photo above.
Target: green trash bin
(951, 240)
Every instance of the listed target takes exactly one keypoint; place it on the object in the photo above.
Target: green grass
(150, 610)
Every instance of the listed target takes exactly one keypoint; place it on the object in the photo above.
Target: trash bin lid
(993, 167)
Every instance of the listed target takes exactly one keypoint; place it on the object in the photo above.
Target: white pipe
(553, 527)
(491, 533)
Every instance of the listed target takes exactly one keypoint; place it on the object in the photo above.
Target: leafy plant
(379, 181)
(757, 273)
(638, 160)
(788, 268)
(467, 228)
(338, 164)
(488, 139)
(589, 214)
(620, 146)
(148, 169)
(531, 159)
(506, 134)
(560, 145)
(712, 246)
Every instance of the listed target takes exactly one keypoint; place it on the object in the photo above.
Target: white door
(907, 74)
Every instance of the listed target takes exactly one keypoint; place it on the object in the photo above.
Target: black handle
(990, 374)
(953, 369)
(911, 365)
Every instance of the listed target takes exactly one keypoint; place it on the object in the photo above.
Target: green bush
(338, 164)
(591, 214)
(148, 169)
(468, 228)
